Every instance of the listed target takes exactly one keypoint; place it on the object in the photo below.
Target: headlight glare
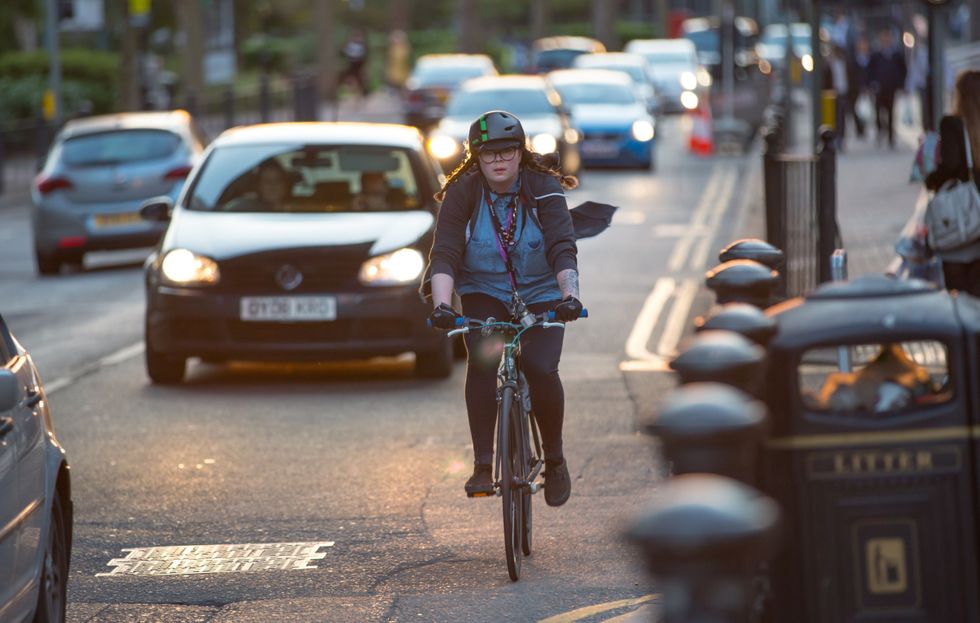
(443, 147)
(183, 267)
(807, 62)
(398, 267)
(689, 100)
(642, 130)
(689, 81)
(704, 78)
(544, 144)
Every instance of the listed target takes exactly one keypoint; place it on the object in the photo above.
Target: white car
(680, 79)
(633, 65)
(35, 495)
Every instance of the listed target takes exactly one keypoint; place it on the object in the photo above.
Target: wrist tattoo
(568, 282)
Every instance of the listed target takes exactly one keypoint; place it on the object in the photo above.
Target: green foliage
(76, 63)
(89, 82)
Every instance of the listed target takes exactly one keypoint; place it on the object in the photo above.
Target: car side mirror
(157, 209)
(9, 390)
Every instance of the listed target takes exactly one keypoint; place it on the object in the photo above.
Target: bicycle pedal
(481, 494)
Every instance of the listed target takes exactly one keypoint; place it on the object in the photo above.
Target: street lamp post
(53, 111)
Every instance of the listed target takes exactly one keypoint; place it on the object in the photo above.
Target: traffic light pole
(54, 62)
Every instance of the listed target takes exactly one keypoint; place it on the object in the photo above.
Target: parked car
(98, 172)
(633, 65)
(704, 33)
(549, 53)
(538, 106)
(680, 80)
(35, 495)
(434, 79)
(296, 242)
(617, 129)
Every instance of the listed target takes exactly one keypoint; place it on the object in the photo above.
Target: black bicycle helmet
(495, 129)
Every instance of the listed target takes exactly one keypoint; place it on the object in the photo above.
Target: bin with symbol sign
(873, 401)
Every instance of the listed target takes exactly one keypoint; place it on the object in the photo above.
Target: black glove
(568, 310)
(443, 317)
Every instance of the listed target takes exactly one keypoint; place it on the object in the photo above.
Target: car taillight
(46, 185)
(179, 173)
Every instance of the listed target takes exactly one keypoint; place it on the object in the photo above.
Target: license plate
(600, 149)
(117, 220)
(289, 308)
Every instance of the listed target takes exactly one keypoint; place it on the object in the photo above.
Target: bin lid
(704, 409)
(869, 286)
(753, 249)
(742, 318)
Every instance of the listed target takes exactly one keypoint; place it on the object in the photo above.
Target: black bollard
(742, 318)
(722, 357)
(743, 281)
(756, 250)
(711, 428)
(704, 537)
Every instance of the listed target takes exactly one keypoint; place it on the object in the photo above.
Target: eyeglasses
(506, 154)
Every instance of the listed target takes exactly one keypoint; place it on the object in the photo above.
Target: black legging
(540, 352)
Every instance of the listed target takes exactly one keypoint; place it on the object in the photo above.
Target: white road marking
(629, 217)
(699, 259)
(123, 354)
(678, 256)
(199, 559)
(587, 612)
(636, 343)
(677, 320)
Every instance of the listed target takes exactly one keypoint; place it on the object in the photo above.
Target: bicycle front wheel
(509, 453)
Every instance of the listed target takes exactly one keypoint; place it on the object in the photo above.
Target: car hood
(608, 114)
(221, 235)
(459, 127)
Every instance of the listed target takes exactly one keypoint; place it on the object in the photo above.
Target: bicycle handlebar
(546, 319)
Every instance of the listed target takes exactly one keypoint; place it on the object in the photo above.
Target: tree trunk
(604, 17)
(398, 15)
(468, 37)
(190, 21)
(129, 79)
(539, 19)
(326, 51)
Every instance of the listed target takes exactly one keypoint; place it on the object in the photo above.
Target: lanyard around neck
(498, 229)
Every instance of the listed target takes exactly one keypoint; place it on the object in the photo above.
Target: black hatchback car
(296, 242)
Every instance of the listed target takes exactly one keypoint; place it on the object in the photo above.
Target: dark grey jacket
(540, 193)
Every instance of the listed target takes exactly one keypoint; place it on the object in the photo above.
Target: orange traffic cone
(702, 140)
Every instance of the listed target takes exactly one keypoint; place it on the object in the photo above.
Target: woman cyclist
(504, 228)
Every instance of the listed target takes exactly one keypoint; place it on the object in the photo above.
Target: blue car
(617, 129)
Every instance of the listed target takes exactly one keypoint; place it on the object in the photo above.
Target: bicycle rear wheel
(510, 454)
(526, 420)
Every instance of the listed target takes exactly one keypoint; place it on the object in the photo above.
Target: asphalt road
(360, 460)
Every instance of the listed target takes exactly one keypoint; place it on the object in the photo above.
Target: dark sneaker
(557, 483)
(480, 483)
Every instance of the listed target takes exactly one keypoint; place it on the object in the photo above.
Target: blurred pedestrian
(917, 81)
(857, 80)
(397, 65)
(355, 52)
(886, 76)
(836, 78)
(958, 133)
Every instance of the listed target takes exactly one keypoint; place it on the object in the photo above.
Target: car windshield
(633, 71)
(518, 101)
(118, 146)
(596, 93)
(666, 57)
(556, 59)
(447, 75)
(306, 178)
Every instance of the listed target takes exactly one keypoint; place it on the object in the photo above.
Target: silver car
(35, 495)
(98, 172)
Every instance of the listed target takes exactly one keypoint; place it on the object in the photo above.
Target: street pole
(326, 53)
(937, 62)
(468, 38)
(816, 76)
(54, 63)
(190, 19)
(539, 19)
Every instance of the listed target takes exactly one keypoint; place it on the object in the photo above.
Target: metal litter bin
(872, 391)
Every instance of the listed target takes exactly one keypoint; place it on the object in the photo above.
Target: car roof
(343, 133)
(579, 76)
(176, 120)
(454, 59)
(510, 81)
(746, 25)
(611, 58)
(660, 45)
(568, 43)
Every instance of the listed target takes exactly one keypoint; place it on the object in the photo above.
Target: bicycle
(519, 457)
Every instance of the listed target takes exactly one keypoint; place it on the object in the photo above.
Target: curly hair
(529, 160)
(966, 105)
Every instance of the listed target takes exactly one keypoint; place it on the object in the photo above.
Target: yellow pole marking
(588, 611)
(802, 442)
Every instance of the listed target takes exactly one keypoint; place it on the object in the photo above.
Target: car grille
(339, 331)
(324, 269)
(605, 136)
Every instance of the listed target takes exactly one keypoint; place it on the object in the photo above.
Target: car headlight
(642, 130)
(704, 78)
(183, 267)
(689, 81)
(689, 100)
(443, 147)
(807, 62)
(397, 267)
(544, 144)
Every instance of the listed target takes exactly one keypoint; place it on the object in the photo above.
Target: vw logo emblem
(288, 277)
